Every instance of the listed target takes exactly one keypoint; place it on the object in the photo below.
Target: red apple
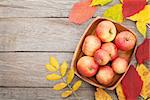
(86, 66)
(90, 45)
(111, 49)
(105, 75)
(125, 54)
(119, 65)
(106, 31)
(125, 41)
(101, 57)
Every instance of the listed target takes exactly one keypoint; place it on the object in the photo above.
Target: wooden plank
(43, 34)
(46, 94)
(41, 8)
(28, 70)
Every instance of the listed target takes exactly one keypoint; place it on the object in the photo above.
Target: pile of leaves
(134, 10)
(58, 72)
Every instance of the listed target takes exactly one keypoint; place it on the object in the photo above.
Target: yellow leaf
(100, 94)
(145, 76)
(53, 77)
(70, 75)
(54, 62)
(63, 68)
(59, 86)
(76, 86)
(120, 93)
(142, 15)
(121, 1)
(66, 93)
(114, 13)
(100, 2)
(141, 26)
(50, 68)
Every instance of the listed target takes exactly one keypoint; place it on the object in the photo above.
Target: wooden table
(31, 31)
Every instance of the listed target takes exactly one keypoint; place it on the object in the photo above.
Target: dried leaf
(53, 77)
(143, 15)
(54, 62)
(145, 75)
(132, 84)
(141, 26)
(100, 94)
(114, 13)
(50, 68)
(70, 75)
(142, 52)
(131, 7)
(59, 86)
(100, 2)
(120, 93)
(63, 68)
(66, 93)
(81, 12)
(76, 86)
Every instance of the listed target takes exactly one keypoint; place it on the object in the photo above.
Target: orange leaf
(81, 12)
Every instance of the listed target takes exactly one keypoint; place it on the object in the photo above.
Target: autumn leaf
(145, 75)
(66, 93)
(54, 62)
(100, 94)
(114, 13)
(143, 15)
(70, 75)
(81, 12)
(50, 68)
(141, 26)
(76, 86)
(132, 84)
(100, 2)
(63, 68)
(142, 52)
(120, 93)
(131, 7)
(59, 86)
(53, 77)
(121, 1)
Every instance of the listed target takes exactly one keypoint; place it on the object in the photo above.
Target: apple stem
(70, 88)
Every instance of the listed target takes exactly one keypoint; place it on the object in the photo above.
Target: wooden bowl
(78, 54)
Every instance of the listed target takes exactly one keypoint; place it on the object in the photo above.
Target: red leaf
(131, 7)
(132, 84)
(143, 51)
(81, 12)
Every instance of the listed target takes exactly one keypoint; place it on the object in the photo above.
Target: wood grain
(43, 34)
(46, 94)
(41, 8)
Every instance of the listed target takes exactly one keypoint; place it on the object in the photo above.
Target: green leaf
(100, 2)
(114, 13)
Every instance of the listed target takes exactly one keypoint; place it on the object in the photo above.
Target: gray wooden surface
(31, 31)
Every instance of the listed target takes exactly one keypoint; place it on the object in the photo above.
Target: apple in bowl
(87, 66)
(90, 45)
(106, 31)
(101, 57)
(105, 75)
(119, 65)
(111, 49)
(125, 40)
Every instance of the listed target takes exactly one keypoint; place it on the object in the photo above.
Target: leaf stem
(70, 88)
